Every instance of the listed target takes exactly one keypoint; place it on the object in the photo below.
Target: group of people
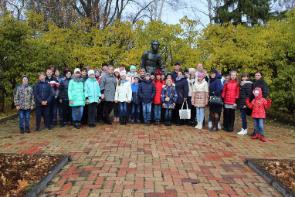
(89, 96)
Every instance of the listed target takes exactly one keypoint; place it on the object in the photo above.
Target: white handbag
(185, 114)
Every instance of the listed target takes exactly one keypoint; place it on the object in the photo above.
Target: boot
(256, 136)
(262, 138)
(22, 131)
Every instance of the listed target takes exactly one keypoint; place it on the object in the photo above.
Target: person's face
(25, 81)
(123, 77)
(92, 76)
(77, 74)
(57, 73)
(142, 72)
(200, 66)
(258, 76)
(117, 74)
(233, 75)
(135, 80)
(111, 70)
(42, 77)
(147, 77)
(84, 72)
(212, 75)
(49, 72)
(179, 74)
(163, 77)
(168, 82)
(169, 77)
(244, 78)
(256, 93)
(226, 77)
(122, 68)
(68, 75)
(97, 74)
(200, 78)
(176, 67)
(155, 46)
(158, 77)
(105, 68)
(152, 77)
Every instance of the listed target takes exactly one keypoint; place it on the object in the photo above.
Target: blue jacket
(146, 91)
(135, 96)
(215, 87)
(43, 92)
(181, 86)
(169, 92)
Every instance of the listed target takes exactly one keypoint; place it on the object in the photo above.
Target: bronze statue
(151, 60)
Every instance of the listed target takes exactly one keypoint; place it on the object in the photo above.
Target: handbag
(215, 100)
(185, 114)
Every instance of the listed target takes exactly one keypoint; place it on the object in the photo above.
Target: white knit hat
(91, 72)
(77, 70)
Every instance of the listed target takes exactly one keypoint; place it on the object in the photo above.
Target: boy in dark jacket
(135, 109)
(43, 96)
(146, 93)
(66, 111)
(246, 87)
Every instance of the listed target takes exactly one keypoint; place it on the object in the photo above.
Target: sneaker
(245, 131)
(219, 126)
(256, 136)
(242, 132)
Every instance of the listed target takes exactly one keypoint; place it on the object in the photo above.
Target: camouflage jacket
(24, 97)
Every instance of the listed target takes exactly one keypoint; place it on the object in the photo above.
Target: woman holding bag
(181, 86)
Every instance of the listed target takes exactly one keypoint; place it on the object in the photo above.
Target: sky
(186, 8)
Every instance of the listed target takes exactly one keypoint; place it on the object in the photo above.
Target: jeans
(123, 109)
(135, 112)
(244, 118)
(24, 119)
(92, 112)
(200, 114)
(157, 112)
(146, 110)
(259, 125)
(42, 111)
(168, 115)
(77, 113)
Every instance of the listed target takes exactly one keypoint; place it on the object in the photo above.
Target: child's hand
(17, 108)
(71, 102)
(32, 107)
(128, 101)
(116, 101)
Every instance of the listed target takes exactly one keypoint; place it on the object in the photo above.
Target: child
(92, 95)
(43, 96)
(146, 93)
(76, 97)
(24, 102)
(245, 92)
(132, 73)
(200, 98)
(191, 81)
(157, 99)
(168, 97)
(123, 96)
(64, 99)
(258, 106)
(230, 94)
(135, 109)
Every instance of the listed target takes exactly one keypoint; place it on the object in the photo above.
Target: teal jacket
(92, 90)
(76, 92)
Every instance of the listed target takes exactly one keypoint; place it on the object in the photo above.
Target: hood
(259, 94)
(245, 82)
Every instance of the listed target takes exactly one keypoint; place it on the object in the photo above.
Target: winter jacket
(92, 90)
(245, 92)
(54, 83)
(24, 97)
(215, 87)
(43, 92)
(231, 92)
(108, 86)
(63, 89)
(264, 87)
(146, 91)
(123, 91)
(191, 83)
(76, 92)
(135, 96)
(181, 86)
(169, 97)
(159, 86)
(174, 75)
(258, 105)
(200, 93)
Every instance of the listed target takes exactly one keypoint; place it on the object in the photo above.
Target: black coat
(181, 87)
(245, 92)
(146, 91)
(63, 89)
(264, 87)
(43, 92)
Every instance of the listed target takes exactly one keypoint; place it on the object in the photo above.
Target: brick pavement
(155, 161)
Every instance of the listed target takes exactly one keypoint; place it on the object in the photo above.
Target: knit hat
(91, 72)
(77, 70)
(133, 67)
(147, 74)
(191, 70)
(117, 70)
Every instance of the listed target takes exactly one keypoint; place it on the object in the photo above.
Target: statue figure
(151, 60)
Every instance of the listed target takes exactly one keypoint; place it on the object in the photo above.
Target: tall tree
(249, 12)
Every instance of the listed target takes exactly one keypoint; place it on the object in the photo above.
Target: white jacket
(123, 91)
(200, 86)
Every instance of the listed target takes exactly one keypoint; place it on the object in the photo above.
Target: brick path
(136, 160)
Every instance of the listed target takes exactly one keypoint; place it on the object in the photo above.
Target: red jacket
(159, 86)
(231, 92)
(258, 105)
